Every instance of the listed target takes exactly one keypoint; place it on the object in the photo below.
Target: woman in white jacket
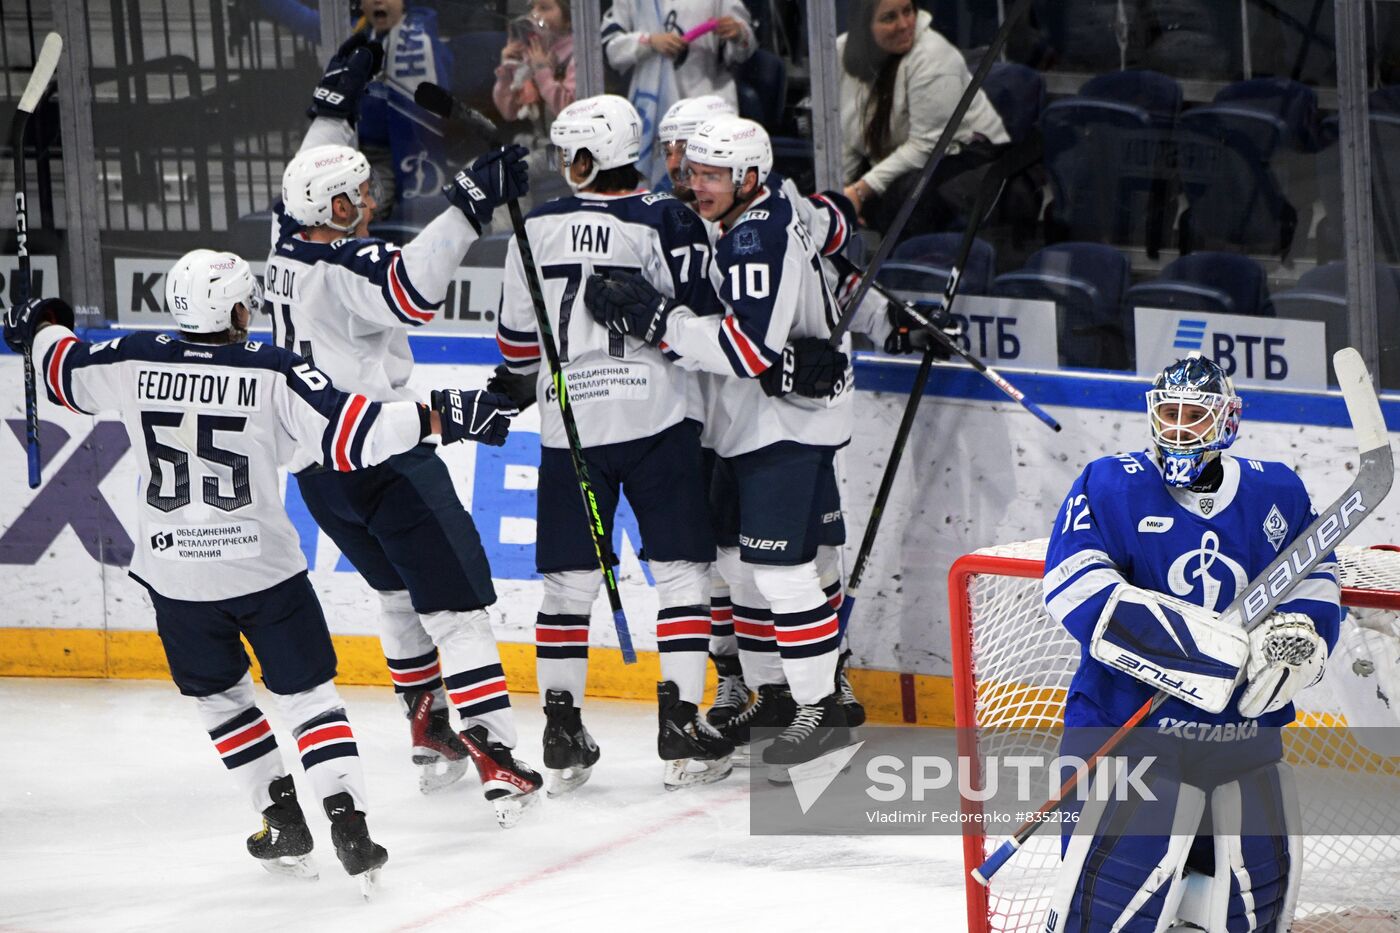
(900, 82)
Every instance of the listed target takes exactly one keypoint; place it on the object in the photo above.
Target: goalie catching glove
(1172, 645)
(1285, 655)
(475, 415)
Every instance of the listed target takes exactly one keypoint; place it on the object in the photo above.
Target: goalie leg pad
(1257, 854)
(1174, 646)
(1113, 879)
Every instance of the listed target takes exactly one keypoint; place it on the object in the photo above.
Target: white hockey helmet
(315, 176)
(203, 288)
(608, 126)
(732, 142)
(686, 116)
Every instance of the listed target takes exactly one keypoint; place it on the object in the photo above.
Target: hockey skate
(694, 752)
(283, 845)
(855, 712)
(441, 757)
(731, 694)
(814, 731)
(569, 751)
(772, 708)
(511, 785)
(361, 856)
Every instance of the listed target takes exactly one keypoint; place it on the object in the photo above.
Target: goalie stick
(1253, 604)
(1013, 162)
(602, 547)
(945, 140)
(44, 67)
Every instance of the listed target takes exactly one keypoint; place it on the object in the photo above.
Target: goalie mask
(1195, 414)
(204, 287)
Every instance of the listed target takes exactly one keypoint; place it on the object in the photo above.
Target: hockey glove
(810, 367)
(491, 181)
(627, 304)
(349, 72)
(1285, 655)
(908, 335)
(476, 415)
(518, 387)
(22, 322)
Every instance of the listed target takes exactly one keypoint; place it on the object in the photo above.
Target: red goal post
(1011, 667)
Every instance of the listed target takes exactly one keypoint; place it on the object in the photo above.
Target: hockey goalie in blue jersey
(1147, 549)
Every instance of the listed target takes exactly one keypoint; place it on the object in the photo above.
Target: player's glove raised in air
(810, 367)
(489, 182)
(347, 75)
(23, 321)
(908, 335)
(627, 304)
(1285, 655)
(476, 415)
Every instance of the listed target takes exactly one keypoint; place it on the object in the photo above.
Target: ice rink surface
(115, 815)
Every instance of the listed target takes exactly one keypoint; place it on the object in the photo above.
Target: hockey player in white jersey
(1146, 549)
(829, 219)
(347, 301)
(631, 407)
(773, 448)
(212, 417)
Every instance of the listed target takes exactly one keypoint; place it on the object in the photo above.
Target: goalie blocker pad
(1172, 645)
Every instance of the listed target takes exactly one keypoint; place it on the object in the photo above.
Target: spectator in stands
(900, 82)
(648, 39)
(535, 79)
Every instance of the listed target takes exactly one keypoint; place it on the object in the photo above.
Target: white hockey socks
(805, 626)
(408, 649)
(721, 616)
(244, 740)
(473, 676)
(326, 743)
(561, 632)
(682, 624)
(753, 623)
(830, 569)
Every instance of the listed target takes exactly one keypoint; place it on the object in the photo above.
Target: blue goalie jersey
(1121, 522)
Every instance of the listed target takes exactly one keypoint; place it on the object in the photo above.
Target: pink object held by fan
(707, 26)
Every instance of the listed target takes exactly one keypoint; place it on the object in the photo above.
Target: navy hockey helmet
(1195, 414)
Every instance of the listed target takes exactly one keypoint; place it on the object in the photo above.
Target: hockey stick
(1292, 565)
(945, 140)
(1012, 163)
(437, 100)
(44, 67)
(602, 547)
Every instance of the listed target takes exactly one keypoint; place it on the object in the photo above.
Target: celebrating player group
(693, 330)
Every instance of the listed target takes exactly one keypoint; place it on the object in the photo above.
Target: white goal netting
(1012, 667)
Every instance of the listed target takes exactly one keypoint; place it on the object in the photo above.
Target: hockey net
(1012, 666)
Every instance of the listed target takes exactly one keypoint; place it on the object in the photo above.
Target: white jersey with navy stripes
(767, 275)
(210, 425)
(621, 389)
(347, 306)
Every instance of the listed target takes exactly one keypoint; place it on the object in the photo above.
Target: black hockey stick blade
(1252, 605)
(439, 101)
(44, 67)
(891, 237)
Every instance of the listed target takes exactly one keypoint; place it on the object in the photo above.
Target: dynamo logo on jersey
(1194, 568)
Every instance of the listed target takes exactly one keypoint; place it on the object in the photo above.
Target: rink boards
(977, 471)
